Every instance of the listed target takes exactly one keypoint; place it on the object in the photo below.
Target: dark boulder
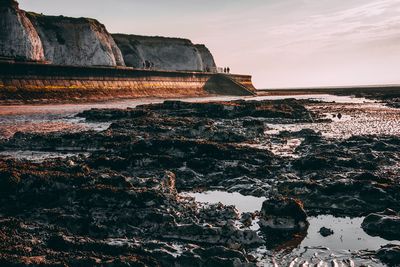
(385, 224)
(390, 254)
(283, 214)
(325, 231)
(9, 180)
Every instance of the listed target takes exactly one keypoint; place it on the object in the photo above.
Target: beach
(202, 180)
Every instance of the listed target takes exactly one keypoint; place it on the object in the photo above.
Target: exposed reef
(121, 203)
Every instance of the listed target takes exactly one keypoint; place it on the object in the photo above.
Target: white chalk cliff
(206, 57)
(63, 40)
(18, 37)
(164, 53)
(76, 41)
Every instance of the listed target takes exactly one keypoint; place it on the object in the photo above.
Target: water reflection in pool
(348, 234)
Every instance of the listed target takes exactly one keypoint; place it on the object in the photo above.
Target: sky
(282, 43)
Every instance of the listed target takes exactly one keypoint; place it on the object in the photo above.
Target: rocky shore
(118, 200)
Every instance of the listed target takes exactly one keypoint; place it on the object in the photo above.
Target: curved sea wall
(76, 41)
(164, 53)
(18, 37)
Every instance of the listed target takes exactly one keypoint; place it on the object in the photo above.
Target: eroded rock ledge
(120, 202)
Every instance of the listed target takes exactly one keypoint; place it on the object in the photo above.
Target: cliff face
(18, 37)
(164, 53)
(86, 42)
(76, 41)
(206, 57)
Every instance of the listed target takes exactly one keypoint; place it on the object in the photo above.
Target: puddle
(348, 234)
(242, 203)
(348, 237)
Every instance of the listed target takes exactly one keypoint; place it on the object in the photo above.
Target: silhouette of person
(228, 70)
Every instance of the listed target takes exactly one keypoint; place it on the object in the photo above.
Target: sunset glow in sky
(282, 43)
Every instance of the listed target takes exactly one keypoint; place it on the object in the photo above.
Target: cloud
(360, 24)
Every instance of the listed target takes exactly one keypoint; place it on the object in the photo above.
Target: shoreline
(92, 98)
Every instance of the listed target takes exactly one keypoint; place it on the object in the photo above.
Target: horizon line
(361, 86)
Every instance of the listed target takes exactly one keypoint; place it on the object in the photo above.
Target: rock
(385, 224)
(119, 203)
(206, 57)
(222, 252)
(283, 214)
(247, 219)
(164, 53)
(84, 210)
(325, 231)
(221, 256)
(312, 163)
(168, 183)
(18, 37)
(390, 254)
(9, 180)
(219, 213)
(76, 41)
(227, 235)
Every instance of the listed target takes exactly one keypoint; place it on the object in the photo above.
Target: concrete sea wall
(30, 82)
